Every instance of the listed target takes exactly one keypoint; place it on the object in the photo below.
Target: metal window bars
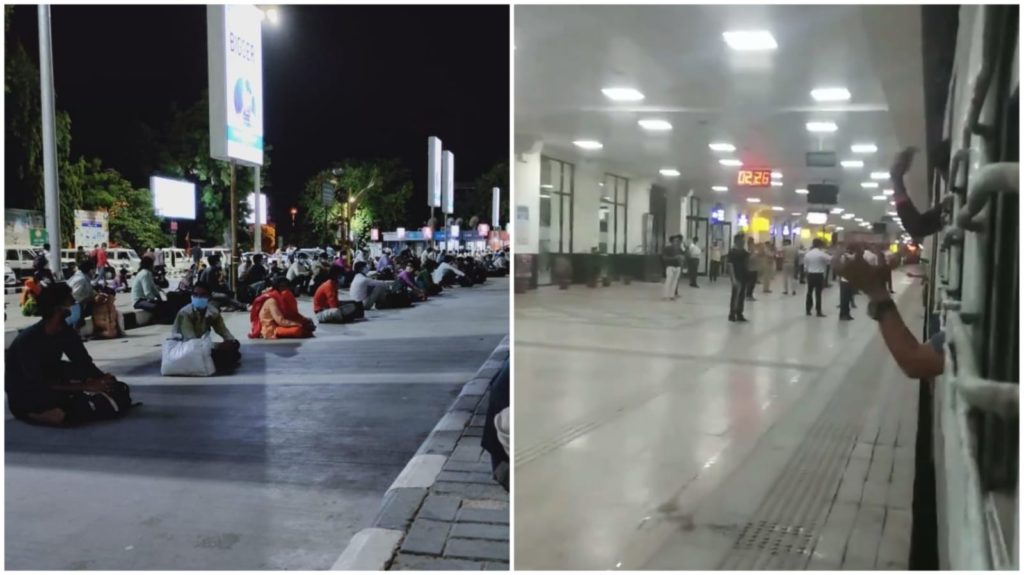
(978, 415)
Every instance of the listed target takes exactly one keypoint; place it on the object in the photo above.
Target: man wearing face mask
(198, 319)
(43, 388)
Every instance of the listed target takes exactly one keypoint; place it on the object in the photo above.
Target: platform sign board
(327, 195)
(251, 201)
(21, 227)
(235, 58)
(91, 228)
(448, 182)
(434, 172)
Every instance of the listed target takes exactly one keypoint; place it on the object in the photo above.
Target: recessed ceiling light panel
(879, 175)
(719, 189)
(830, 94)
(730, 162)
(722, 147)
(863, 148)
(670, 172)
(852, 164)
(588, 144)
(869, 185)
(750, 40)
(655, 125)
(620, 94)
(801, 191)
(754, 200)
(822, 127)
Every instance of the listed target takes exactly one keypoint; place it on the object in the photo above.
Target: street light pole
(234, 229)
(258, 228)
(50, 183)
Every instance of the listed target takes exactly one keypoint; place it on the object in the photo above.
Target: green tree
(477, 202)
(132, 221)
(381, 190)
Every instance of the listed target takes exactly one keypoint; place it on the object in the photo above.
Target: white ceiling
(759, 102)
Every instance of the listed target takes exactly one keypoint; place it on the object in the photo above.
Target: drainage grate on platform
(773, 538)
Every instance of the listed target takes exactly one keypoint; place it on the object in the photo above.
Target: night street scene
(256, 287)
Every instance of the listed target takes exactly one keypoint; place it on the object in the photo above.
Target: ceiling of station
(759, 101)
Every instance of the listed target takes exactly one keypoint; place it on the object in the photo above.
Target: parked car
(20, 258)
(122, 258)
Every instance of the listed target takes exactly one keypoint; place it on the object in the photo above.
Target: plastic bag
(193, 357)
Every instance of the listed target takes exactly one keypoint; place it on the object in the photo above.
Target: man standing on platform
(739, 273)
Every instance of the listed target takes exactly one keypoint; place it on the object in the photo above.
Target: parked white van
(20, 259)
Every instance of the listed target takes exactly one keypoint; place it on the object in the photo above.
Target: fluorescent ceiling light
(588, 144)
(750, 40)
(545, 195)
(869, 185)
(848, 216)
(852, 164)
(863, 148)
(776, 174)
(670, 172)
(655, 125)
(800, 191)
(722, 147)
(822, 127)
(839, 228)
(777, 208)
(797, 214)
(816, 218)
(776, 184)
(892, 203)
(830, 94)
(859, 220)
(623, 94)
(837, 210)
(601, 184)
(879, 175)
(546, 187)
(730, 162)
(892, 214)
(888, 192)
(754, 200)
(878, 198)
(719, 189)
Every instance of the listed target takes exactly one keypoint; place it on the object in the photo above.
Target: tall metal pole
(234, 230)
(259, 228)
(50, 184)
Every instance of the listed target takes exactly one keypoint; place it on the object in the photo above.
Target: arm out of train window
(918, 225)
(917, 360)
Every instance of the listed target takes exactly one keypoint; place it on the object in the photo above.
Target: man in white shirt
(364, 289)
(444, 273)
(693, 259)
(81, 288)
(816, 262)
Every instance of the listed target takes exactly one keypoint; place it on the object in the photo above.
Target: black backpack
(351, 310)
(85, 407)
(397, 296)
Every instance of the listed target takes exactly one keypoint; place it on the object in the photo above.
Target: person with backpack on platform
(43, 388)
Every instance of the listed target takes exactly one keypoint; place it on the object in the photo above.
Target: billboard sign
(175, 199)
(91, 228)
(251, 200)
(434, 172)
(235, 58)
(448, 182)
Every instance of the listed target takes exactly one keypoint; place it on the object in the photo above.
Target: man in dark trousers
(495, 439)
(739, 273)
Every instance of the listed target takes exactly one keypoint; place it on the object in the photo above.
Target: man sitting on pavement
(366, 290)
(444, 274)
(145, 293)
(40, 386)
(325, 300)
(81, 288)
(197, 319)
(407, 277)
(213, 276)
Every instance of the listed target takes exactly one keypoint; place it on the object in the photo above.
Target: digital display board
(757, 178)
(173, 198)
(235, 70)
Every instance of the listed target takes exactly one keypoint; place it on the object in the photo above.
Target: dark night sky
(340, 82)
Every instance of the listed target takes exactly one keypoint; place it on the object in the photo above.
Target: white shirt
(871, 258)
(361, 286)
(694, 251)
(81, 287)
(443, 269)
(816, 261)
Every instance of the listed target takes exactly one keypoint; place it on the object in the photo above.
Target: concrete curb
(405, 496)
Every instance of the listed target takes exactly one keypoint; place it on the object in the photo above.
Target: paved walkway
(657, 435)
(275, 467)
